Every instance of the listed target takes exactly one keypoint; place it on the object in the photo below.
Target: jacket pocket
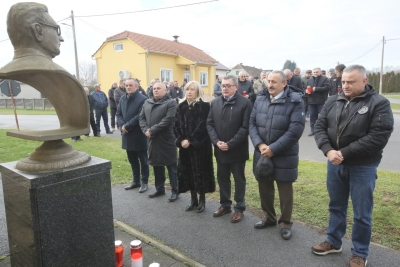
(385, 122)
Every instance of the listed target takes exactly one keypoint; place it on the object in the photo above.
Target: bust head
(29, 25)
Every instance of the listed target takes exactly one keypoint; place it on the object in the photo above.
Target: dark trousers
(113, 111)
(267, 197)
(305, 99)
(99, 115)
(93, 123)
(134, 157)
(159, 177)
(224, 171)
(314, 111)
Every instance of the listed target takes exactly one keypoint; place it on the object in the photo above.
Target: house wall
(221, 72)
(235, 72)
(110, 62)
(27, 92)
(145, 66)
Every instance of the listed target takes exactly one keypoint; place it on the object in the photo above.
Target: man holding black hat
(275, 127)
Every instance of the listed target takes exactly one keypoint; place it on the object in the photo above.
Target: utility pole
(76, 50)
(380, 80)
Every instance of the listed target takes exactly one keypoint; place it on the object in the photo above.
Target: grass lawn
(393, 96)
(10, 111)
(310, 194)
(395, 106)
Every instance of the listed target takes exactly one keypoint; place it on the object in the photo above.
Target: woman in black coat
(195, 166)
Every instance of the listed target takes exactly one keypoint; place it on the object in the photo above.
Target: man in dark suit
(293, 80)
(133, 139)
(320, 86)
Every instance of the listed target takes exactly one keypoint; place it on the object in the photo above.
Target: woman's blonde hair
(199, 91)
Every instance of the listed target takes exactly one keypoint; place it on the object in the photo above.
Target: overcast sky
(263, 34)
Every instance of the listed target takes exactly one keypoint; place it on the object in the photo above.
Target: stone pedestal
(61, 218)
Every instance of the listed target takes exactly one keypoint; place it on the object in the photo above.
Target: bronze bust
(36, 38)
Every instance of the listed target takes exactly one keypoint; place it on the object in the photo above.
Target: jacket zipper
(230, 116)
(348, 121)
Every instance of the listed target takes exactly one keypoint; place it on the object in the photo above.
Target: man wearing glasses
(228, 128)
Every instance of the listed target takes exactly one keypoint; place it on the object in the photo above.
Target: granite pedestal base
(61, 218)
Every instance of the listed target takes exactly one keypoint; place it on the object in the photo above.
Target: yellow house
(134, 55)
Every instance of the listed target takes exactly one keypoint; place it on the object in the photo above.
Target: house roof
(221, 67)
(158, 45)
(252, 71)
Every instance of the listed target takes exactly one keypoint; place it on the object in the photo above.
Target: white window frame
(203, 78)
(171, 74)
(186, 75)
(118, 45)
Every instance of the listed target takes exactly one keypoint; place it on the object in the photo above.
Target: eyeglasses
(57, 27)
(227, 86)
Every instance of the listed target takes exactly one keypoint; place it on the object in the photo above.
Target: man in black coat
(276, 125)
(320, 86)
(293, 80)
(133, 139)
(91, 114)
(112, 104)
(245, 87)
(352, 131)
(228, 128)
(156, 121)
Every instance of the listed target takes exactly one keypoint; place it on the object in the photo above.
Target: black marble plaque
(61, 218)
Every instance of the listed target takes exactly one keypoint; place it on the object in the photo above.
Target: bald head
(159, 90)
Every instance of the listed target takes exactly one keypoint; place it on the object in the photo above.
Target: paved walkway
(176, 236)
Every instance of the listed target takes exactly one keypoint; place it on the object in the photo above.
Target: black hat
(264, 168)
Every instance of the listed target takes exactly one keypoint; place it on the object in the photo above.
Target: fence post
(33, 104)
(43, 103)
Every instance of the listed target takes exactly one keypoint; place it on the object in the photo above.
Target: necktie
(272, 99)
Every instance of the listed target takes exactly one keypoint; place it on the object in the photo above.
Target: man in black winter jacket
(228, 128)
(352, 130)
(320, 86)
(293, 80)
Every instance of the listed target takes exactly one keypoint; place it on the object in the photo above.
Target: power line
(375, 46)
(146, 10)
(95, 28)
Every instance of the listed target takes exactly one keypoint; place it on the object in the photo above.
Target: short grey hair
(132, 79)
(358, 68)
(281, 73)
(317, 68)
(242, 72)
(287, 71)
(233, 77)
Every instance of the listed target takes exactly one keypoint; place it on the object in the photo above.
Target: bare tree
(87, 73)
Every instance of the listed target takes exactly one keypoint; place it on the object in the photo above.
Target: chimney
(176, 38)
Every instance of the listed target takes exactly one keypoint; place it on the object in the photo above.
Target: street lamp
(76, 51)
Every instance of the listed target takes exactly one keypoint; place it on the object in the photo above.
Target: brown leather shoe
(237, 217)
(221, 211)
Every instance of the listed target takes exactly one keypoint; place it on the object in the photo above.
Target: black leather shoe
(96, 135)
(143, 188)
(311, 134)
(286, 233)
(109, 132)
(157, 194)
(262, 224)
(132, 185)
(173, 197)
